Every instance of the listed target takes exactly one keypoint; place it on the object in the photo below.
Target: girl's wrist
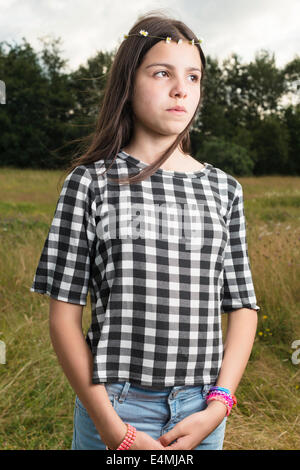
(223, 395)
(217, 408)
(114, 439)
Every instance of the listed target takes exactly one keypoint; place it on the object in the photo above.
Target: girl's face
(158, 88)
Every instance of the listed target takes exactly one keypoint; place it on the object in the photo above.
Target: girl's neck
(178, 161)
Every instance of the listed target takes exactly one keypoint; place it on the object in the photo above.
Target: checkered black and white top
(162, 260)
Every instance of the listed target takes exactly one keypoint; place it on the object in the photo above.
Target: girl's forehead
(183, 53)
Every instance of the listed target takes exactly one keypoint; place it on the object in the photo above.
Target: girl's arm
(189, 432)
(75, 357)
(240, 335)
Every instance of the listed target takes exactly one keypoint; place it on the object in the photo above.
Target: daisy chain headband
(168, 39)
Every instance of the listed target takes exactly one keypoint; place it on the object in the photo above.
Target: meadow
(36, 399)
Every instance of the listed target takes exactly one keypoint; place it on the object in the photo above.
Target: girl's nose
(178, 89)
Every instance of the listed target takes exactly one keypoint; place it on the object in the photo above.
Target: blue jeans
(152, 411)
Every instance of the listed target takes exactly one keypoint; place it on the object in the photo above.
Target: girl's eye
(196, 78)
(162, 71)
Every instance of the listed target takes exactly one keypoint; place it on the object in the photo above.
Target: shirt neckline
(179, 174)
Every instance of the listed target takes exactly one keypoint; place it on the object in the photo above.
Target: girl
(158, 238)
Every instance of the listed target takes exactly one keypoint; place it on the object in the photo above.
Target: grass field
(36, 400)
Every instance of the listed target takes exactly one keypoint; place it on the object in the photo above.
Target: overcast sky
(85, 27)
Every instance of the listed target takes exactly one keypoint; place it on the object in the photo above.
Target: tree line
(248, 123)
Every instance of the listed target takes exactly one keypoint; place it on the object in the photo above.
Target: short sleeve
(238, 289)
(63, 271)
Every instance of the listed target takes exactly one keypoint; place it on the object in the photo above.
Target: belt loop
(124, 392)
(206, 388)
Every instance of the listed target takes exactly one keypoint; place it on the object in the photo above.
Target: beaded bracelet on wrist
(128, 439)
(223, 395)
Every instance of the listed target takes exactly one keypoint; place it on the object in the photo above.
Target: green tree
(270, 146)
(22, 137)
(292, 79)
(212, 119)
(59, 106)
(292, 123)
(229, 157)
(265, 86)
(86, 86)
(34, 122)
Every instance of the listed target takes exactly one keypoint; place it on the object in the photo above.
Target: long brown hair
(114, 126)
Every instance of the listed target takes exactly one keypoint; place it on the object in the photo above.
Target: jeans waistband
(135, 390)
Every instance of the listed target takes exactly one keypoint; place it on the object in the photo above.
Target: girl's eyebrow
(172, 66)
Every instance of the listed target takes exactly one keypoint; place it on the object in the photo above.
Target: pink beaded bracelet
(221, 399)
(229, 400)
(128, 439)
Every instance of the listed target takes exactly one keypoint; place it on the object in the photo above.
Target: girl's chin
(168, 128)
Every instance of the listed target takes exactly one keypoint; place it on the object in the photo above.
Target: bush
(229, 157)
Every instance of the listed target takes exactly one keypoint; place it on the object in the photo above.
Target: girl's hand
(191, 431)
(145, 442)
